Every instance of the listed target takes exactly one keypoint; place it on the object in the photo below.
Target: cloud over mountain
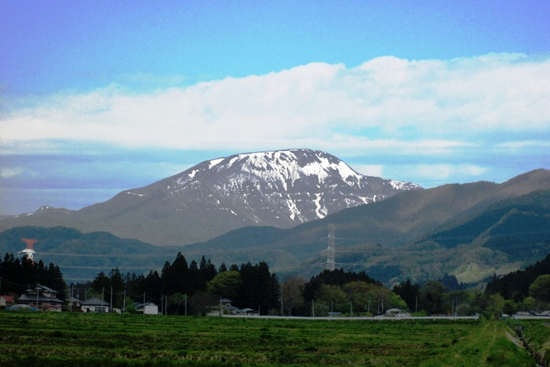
(385, 103)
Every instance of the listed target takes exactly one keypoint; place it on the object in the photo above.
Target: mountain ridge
(277, 188)
(508, 231)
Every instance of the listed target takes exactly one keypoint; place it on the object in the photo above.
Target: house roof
(42, 288)
(28, 298)
(94, 301)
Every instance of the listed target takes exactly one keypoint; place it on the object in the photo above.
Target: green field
(76, 339)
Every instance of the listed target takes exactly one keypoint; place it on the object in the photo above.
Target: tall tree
(540, 288)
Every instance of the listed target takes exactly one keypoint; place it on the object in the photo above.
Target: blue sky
(100, 96)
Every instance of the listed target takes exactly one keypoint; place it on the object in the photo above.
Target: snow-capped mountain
(279, 188)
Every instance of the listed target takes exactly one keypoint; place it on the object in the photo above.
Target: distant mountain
(83, 255)
(398, 237)
(280, 188)
(420, 235)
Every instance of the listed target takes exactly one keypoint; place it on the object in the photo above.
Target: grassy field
(75, 339)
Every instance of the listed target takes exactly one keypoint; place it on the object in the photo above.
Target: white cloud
(447, 171)
(385, 104)
(10, 172)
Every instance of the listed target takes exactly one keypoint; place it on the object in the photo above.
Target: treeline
(191, 288)
(527, 289)
(198, 288)
(17, 275)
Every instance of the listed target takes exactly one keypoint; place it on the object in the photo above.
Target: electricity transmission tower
(331, 262)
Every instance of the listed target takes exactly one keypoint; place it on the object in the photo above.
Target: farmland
(76, 339)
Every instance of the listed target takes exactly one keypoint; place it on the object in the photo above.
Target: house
(245, 312)
(94, 304)
(41, 297)
(524, 314)
(224, 307)
(148, 308)
(7, 300)
(396, 312)
(393, 312)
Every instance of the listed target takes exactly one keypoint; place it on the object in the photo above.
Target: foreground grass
(537, 337)
(73, 339)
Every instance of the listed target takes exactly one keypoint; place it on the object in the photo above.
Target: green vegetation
(75, 339)
(527, 289)
(536, 334)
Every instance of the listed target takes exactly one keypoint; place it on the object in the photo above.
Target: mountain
(280, 188)
(469, 230)
(398, 237)
(83, 255)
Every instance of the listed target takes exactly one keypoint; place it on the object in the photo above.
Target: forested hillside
(516, 285)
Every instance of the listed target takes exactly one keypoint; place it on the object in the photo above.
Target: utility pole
(124, 302)
(368, 308)
(282, 309)
(185, 296)
(111, 302)
(37, 291)
(313, 307)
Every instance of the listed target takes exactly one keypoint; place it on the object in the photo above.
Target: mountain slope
(380, 237)
(280, 189)
(83, 255)
(499, 238)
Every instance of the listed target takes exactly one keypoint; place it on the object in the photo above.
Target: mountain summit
(278, 188)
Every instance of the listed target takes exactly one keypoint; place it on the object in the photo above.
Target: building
(7, 300)
(94, 304)
(41, 297)
(148, 308)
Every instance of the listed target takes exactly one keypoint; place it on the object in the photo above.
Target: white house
(94, 305)
(148, 308)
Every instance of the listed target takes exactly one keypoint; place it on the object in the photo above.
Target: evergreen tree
(176, 278)
(196, 279)
(408, 292)
(260, 289)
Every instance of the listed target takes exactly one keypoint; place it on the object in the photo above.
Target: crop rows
(75, 339)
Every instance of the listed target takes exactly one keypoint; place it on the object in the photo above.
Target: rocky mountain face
(280, 188)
